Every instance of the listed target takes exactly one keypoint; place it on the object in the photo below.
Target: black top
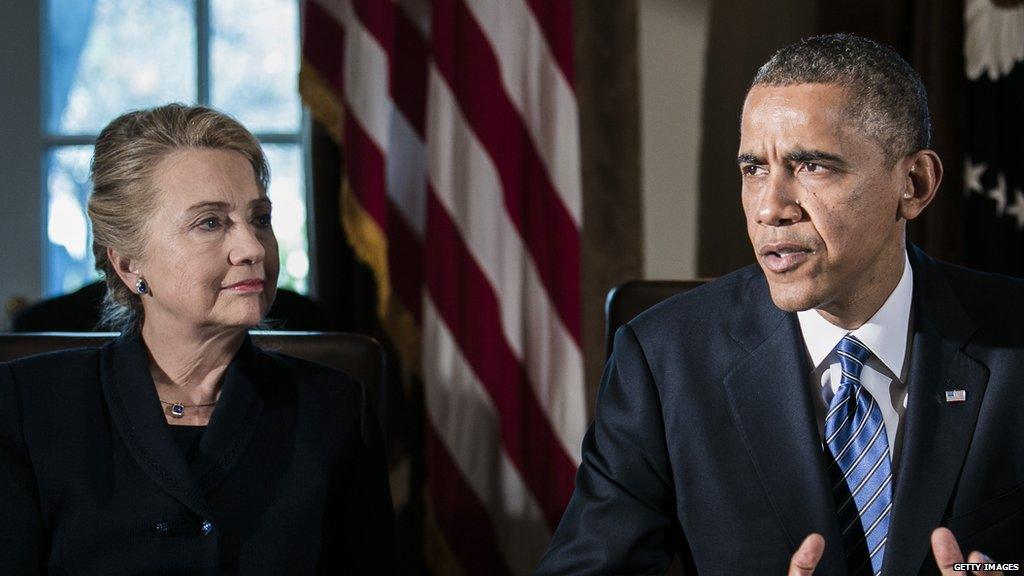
(187, 438)
(289, 476)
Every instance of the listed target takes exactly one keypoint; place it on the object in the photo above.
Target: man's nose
(780, 205)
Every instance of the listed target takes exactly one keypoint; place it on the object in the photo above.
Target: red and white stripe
(461, 143)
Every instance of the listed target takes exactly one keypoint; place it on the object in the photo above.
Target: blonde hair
(123, 197)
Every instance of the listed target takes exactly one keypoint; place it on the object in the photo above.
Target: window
(106, 57)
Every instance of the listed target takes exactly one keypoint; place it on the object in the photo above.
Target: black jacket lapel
(234, 419)
(768, 392)
(137, 415)
(937, 432)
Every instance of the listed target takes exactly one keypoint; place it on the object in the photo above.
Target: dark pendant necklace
(178, 409)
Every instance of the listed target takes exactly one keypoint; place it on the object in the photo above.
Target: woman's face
(211, 258)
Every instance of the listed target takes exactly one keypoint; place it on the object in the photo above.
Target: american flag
(459, 130)
(993, 173)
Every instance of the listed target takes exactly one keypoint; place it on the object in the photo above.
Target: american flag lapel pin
(956, 395)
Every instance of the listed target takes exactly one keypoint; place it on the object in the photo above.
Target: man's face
(821, 199)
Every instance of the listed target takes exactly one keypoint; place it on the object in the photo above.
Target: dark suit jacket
(290, 472)
(705, 441)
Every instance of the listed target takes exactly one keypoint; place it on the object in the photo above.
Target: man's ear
(126, 268)
(922, 174)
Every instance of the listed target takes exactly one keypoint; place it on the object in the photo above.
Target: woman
(181, 448)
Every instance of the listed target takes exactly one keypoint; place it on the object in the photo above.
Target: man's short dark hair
(886, 95)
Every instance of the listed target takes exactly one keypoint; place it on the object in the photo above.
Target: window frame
(203, 27)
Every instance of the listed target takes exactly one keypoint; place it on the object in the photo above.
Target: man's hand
(944, 546)
(807, 556)
(947, 553)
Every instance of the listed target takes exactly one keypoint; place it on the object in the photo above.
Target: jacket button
(206, 527)
(162, 527)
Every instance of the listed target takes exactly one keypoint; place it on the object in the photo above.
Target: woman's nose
(247, 247)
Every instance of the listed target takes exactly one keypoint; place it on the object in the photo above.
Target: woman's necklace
(178, 409)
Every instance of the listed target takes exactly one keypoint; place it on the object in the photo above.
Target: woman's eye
(263, 220)
(210, 224)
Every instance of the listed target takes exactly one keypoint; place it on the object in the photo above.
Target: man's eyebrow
(801, 155)
(798, 155)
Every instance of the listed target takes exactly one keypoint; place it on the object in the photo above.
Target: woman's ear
(126, 268)
(923, 174)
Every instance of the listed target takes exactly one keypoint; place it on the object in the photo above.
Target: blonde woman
(181, 448)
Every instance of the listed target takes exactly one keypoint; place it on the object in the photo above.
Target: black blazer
(705, 441)
(290, 477)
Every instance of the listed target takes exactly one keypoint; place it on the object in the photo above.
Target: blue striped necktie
(860, 470)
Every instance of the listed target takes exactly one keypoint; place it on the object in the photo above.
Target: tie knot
(852, 355)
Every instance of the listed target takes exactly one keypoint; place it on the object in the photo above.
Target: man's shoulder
(968, 280)
(991, 300)
(706, 307)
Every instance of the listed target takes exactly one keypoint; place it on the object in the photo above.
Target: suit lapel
(768, 392)
(234, 419)
(136, 413)
(937, 433)
(135, 410)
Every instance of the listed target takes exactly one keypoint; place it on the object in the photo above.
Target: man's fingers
(946, 551)
(807, 556)
(979, 558)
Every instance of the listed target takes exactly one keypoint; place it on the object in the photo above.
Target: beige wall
(673, 40)
(696, 60)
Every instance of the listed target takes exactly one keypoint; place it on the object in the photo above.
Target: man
(828, 410)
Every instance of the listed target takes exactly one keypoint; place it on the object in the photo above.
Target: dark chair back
(358, 356)
(79, 311)
(626, 301)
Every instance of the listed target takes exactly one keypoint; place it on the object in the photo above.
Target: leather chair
(359, 356)
(626, 301)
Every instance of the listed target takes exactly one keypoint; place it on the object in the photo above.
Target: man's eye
(813, 167)
(752, 170)
(209, 224)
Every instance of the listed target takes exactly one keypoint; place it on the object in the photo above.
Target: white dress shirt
(887, 334)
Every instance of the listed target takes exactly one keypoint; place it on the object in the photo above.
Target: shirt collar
(885, 333)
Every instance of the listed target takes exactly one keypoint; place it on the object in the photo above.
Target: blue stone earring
(141, 287)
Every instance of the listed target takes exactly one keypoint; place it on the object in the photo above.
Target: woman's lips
(785, 261)
(246, 286)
